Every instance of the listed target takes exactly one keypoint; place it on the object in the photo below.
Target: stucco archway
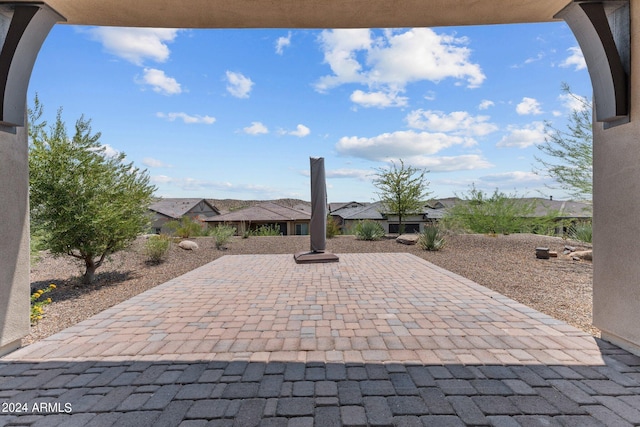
(605, 29)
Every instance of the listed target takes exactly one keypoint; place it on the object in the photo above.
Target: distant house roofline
(263, 212)
(177, 207)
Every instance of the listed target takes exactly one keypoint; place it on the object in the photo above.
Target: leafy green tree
(85, 203)
(402, 190)
(498, 213)
(569, 153)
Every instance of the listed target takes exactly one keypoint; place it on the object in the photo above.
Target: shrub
(267, 230)
(37, 304)
(222, 234)
(35, 246)
(333, 229)
(582, 232)
(185, 228)
(498, 213)
(156, 247)
(431, 238)
(368, 230)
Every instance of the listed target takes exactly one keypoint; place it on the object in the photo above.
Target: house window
(302, 229)
(408, 228)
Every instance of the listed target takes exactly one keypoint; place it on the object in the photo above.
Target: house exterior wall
(201, 210)
(158, 222)
(289, 228)
(409, 219)
(14, 235)
(616, 209)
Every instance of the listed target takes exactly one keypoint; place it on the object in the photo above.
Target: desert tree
(568, 153)
(499, 213)
(84, 202)
(401, 189)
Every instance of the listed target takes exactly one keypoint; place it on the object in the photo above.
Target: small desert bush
(431, 238)
(185, 228)
(37, 303)
(368, 230)
(333, 229)
(267, 230)
(582, 232)
(222, 234)
(156, 247)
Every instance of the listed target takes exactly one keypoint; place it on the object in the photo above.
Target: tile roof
(335, 206)
(267, 211)
(371, 211)
(176, 207)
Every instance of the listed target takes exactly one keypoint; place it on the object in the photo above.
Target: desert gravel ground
(559, 287)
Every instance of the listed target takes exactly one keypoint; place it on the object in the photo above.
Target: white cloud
(573, 102)
(359, 174)
(395, 59)
(135, 44)
(378, 99)
(283, 42)
(192, 184)
(486, 104)
(449, 163)
(457, 122)
(536, 58)
(301, 131)
(517, 178)
(340, 48)
(528, 106)
(161, 179)
(575, 59)
(400, 144)
(238, 84)
(523, 137)
(107, 151)
(187, 118)
(160, 82)
(256, 128)
(154, 163)
(430, 96)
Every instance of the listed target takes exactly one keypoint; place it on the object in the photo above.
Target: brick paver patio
(376, 339)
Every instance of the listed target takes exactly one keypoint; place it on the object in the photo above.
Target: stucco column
(14, 238)
(616, 217)
(23, 29)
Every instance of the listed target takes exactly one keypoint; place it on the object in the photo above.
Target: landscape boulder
(408, 239)
(188, 245)
(582, 255)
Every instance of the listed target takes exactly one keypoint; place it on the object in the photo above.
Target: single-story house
(349, 214)
(436, 210)
(170, 209)
(291, 221)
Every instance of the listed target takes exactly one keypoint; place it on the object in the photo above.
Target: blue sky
(238, 113)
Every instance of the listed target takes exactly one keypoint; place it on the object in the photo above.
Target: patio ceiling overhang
(303, 13)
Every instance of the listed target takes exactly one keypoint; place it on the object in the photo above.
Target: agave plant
(431, 238)
(369, 230)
